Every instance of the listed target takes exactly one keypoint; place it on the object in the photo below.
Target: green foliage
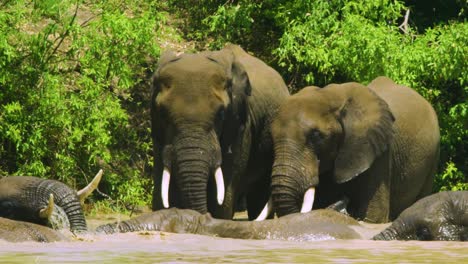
(74, 86)
(319, 42)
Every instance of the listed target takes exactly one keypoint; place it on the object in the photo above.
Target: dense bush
(318, 42)
(73, 92)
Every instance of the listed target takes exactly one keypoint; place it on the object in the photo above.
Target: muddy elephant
(45, 202)
(441, 216)
(19, 231)
(210, 117)
(376, 145)
(446, 219)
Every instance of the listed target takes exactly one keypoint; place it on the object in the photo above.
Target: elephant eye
(219, 120)
(220, 114)
(423, 233)
(314, 136)
(6, 208)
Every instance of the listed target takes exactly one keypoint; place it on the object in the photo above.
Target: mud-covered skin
(315, 225)
(441, 216)
(22, 197)
(18, 231)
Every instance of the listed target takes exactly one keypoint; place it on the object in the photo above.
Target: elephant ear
(239, 89)
(367, 123)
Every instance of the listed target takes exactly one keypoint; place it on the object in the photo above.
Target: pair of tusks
(307, 204)
(166, 178)
(47, 211)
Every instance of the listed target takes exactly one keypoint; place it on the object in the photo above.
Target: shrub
(74, 91)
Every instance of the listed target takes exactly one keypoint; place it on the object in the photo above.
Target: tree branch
(404, 25)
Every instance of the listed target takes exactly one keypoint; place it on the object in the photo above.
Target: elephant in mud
(19, 231)
(45, 202)
(376, 145)
(210, 118)
(441, 216)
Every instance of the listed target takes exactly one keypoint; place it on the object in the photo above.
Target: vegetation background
(75, 74)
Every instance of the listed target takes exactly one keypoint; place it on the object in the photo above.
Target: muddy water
(159, 247)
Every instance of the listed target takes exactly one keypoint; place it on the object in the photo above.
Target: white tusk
(219, 179)
(266, 210)
(46, 212)
(308, 201)
(166, 178)
(86, 191)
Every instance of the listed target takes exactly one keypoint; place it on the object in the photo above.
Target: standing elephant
(45, 202)
(210, 117)
(376, 145)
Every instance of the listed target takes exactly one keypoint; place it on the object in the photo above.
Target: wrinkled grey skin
(208, 110)
(442, 216)
(376, 145)
(320, 224)
(22, 197)
(19, 231)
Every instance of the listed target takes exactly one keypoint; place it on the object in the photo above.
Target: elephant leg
(257, 197)
(370, 192)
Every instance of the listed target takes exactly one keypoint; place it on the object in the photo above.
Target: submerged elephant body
(23, 197)
(446, 219)
(19, 231)
(376, 145)
(441, 216)
(324, 224)
(45, 202)
(210, 117)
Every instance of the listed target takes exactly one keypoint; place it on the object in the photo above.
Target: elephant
(210, 125)
(19, 231)
(376, 145)
(44, 201)
(441, 216)
(446, 219)
(321, 224)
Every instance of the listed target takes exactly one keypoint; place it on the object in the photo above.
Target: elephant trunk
(292, 184)
(195, 163)
(389, 233)
(66, 199)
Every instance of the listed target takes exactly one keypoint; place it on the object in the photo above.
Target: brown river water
(161, 247)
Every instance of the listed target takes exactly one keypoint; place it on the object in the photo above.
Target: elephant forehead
(303, 117)
(195, 67)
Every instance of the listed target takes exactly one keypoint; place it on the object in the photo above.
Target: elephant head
(198, 106)
(45, 202)
(338, 130)
(441, 216)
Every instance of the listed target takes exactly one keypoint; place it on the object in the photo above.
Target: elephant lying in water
(45, 202)
(441, 216)
(19, 231)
